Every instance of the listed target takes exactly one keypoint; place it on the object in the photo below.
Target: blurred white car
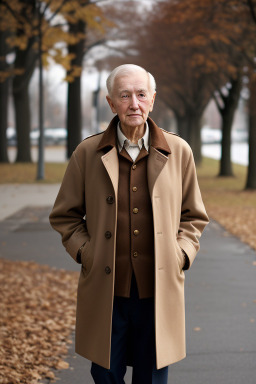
(11, 136)
(214, 136)
(239, 135)
(210, 135)
(53, 136)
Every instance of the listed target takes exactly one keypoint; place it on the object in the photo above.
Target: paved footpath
(220, 292)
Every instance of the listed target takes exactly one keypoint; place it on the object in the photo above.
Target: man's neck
(133, 134)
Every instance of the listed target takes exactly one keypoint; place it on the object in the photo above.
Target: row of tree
(68, 30)
(196, 49)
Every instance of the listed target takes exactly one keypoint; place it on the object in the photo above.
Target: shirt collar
(157, 139)
(124, 142)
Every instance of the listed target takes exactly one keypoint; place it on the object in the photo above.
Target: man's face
(131, 99)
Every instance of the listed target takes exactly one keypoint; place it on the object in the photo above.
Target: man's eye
(142, 95)
(124, 96)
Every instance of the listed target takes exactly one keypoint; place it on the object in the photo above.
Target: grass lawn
(21, 173)
(224, 197)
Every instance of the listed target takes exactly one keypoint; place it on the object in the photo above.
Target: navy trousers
(133, 335)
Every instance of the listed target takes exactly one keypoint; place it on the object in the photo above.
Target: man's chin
(135, 122)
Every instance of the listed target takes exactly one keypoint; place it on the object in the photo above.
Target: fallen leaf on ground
(37, 317)
(62, 365)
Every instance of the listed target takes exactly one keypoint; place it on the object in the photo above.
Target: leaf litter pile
(37, 317)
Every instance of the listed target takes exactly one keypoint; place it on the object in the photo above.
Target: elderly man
(129, 210)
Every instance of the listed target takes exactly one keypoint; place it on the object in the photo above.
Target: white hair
(126, 69)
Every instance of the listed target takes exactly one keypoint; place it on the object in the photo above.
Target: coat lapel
(156, 163)
(158, 154)
(110, 162)
(110, 158)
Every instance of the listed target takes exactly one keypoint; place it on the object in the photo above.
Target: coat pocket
(86, 258)
(180, 257)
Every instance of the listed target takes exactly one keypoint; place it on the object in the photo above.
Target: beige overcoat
(83, 213)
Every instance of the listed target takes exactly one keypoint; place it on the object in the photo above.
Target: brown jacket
(179, 219)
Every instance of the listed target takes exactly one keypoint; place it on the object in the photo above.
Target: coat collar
(157, 139)
(109, 138)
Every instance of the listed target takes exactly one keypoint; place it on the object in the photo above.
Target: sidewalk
(14, 197)
(220, 292)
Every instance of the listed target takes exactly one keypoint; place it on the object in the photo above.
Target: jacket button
(135, 210)
(108, 234)
(136, 232)
(134, 166)
(108, 270)
(135, 254)
(110, 199)
(134, 189)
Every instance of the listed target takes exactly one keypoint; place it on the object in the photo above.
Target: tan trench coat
(179, 219)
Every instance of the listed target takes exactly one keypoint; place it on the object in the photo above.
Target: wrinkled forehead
(132, 81)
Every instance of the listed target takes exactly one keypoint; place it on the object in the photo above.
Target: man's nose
(134, 102)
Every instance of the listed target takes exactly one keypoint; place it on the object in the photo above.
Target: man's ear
(152, 102)
(110, 102)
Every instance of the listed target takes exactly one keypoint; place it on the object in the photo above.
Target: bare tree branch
(57, 10)
(217, 102)
(47, 5)
(222, 96)
(15, 14)
(89, 47)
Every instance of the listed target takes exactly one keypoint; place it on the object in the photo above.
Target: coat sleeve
(193, 218)
(68, 213)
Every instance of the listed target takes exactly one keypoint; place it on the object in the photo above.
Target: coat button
(136, 232)
(108, 270)
(135, 254)
(108, 234)
(135, 210)
(134, 166)
(134, 189)
(110, 199)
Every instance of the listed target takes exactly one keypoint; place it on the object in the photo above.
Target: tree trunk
(22, 121)
(25, 60)
(189, 128)
(225, 160)
(227, 114)
(195, 138)
(182, 126)
(251, 172)
(74, 115)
